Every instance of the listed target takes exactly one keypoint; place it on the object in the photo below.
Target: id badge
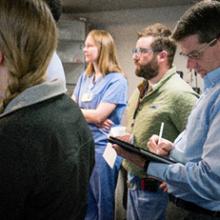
(87, 97)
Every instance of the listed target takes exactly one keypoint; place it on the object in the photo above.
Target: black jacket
(46, 158)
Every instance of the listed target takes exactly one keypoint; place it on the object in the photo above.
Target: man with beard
(162, 97)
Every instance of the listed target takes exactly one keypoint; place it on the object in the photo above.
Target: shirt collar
(35, 94)
(165, 77)
(212, 78)
(145, 85)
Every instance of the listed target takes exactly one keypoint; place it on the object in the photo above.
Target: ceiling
(81, 6)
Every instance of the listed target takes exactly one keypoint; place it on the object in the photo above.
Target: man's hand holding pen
(162, 148)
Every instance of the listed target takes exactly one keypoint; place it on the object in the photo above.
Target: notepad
(143, 152)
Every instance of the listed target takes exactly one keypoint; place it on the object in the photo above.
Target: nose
(135, 56)
(191, 64)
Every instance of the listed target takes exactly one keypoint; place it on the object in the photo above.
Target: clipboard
(143, 152)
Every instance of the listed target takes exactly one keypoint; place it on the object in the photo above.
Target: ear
(1, 57)
(162, 56)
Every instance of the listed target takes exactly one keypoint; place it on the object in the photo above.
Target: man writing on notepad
(194, 181)
(162, 97)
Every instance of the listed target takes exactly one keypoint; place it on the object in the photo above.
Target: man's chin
(138, 74)
(201, 72)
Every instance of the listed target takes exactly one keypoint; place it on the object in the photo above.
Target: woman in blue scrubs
(101, 93)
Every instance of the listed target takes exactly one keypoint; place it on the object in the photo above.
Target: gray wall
(124, 25)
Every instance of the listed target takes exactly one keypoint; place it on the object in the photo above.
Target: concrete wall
(124, 25)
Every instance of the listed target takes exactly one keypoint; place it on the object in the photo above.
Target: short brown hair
(55, 8)
(162, 39)
(201, 19)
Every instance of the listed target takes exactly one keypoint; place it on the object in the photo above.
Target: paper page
(110, 155)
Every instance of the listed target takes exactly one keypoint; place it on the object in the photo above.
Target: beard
(148, 71)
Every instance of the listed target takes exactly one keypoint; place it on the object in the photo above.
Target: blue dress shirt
(197, 177)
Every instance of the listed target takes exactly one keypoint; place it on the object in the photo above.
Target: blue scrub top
(111, 88)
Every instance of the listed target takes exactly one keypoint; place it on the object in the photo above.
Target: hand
(107, 124)
(164, 187)
(127, 138)
(163, 148)
(132, 157)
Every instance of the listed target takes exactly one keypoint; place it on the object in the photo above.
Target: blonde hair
(28, 38)
(107, 59)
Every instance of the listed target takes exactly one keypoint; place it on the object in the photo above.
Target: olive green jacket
(170, 101)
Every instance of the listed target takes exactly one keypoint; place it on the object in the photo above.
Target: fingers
(108, 122)
(164, 187)
(121, 152)
(118, 150)
(162, 152)
(154, 139)
(132, 157)
(163, 148)
(152, 143)
(126, 138)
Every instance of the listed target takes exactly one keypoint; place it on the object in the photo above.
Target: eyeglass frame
(196, 54)
(141, 50)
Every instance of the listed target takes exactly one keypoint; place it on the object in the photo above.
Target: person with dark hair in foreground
(47, 150)
(193, 182)
(55, 68)
(55, 8)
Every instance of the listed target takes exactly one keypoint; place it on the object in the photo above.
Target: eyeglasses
(141, 50)
(197, 54)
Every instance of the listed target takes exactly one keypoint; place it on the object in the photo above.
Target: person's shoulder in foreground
(47, 152)
(56, 154)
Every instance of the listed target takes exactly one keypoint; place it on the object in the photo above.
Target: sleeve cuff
(157, 170)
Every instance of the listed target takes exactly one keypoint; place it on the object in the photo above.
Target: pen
(161, 132)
